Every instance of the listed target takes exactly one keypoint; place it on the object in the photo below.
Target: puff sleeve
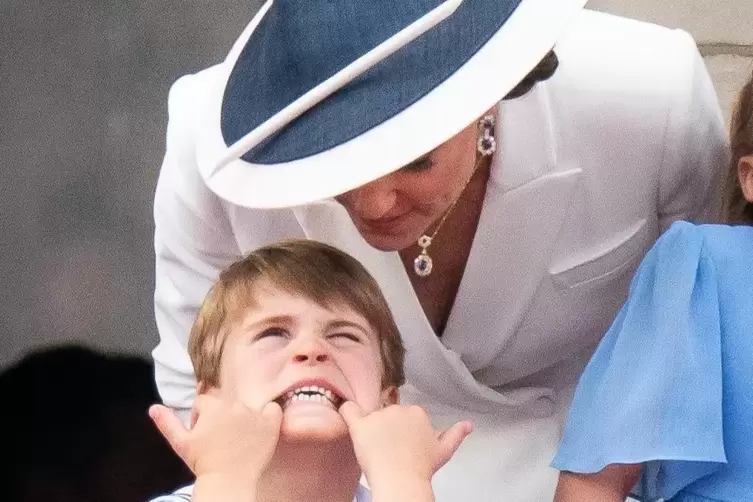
(652, 392)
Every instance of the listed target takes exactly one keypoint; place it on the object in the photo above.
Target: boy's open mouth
(310, 393)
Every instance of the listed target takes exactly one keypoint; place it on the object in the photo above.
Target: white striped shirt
(184, 495)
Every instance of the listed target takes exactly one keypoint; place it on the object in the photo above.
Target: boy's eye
(272, 332)
(345, 336)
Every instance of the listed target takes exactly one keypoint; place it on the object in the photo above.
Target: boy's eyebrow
(342, 323)
(275, 319)
(288, 320)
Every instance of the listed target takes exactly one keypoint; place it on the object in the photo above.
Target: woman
(503, 231)
(681, 347)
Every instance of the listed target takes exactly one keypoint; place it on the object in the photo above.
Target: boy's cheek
(377, 399)
(254, 398)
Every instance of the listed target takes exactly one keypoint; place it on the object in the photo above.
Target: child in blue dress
(664, 409)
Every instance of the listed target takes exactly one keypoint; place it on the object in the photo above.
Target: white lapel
(522, 214)
(429, 366)
(524, 209)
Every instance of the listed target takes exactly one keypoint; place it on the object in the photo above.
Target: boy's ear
(201, 388)
(390, 395)
(745, 175)
(204, 388)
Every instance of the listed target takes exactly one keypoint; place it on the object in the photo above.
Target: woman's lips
(385, 225)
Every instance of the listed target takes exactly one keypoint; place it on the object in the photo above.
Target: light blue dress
(671, 384)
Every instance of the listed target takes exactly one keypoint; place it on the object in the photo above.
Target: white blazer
(594, 163)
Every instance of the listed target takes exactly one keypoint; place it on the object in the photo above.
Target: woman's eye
(272, 332)
(418, 166)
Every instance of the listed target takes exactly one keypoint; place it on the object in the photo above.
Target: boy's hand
(399, 443)
(227, 441)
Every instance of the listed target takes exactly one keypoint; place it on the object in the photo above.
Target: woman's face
(392, 212)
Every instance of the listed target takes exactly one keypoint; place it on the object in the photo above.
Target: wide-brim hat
(323, 96)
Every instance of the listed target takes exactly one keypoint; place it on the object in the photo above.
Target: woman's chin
(393, 237)
(388, 242)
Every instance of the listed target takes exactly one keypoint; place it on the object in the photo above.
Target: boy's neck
(303, 472)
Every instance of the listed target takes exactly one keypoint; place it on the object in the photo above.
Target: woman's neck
(302, 472)
(450, 253)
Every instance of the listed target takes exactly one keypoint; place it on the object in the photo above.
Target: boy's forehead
(273, 302)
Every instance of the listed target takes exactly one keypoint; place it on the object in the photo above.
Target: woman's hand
(398, 449)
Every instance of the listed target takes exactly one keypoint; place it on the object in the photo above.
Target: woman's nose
(372, 201)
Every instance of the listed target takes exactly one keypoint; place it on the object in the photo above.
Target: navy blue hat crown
(300, 43)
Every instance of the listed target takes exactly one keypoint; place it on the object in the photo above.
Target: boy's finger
(351, 412)
(203, 403)
(171, 428)
(450, 440)
(273, 411)
(194, 417)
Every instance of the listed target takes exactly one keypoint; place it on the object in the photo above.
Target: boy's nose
(302, 358)
(310, 351)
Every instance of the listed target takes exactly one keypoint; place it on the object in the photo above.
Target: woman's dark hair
(543, 71)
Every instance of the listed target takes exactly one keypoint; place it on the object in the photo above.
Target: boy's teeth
(313, 393)
(316, 398)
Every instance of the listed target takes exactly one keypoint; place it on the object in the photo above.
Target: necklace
(423, 263)
(485, 146)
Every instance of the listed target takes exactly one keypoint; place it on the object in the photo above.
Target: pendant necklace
(423, 264)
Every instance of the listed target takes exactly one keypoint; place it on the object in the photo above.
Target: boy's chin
(312, 423)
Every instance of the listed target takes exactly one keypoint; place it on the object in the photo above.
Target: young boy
(298, 362)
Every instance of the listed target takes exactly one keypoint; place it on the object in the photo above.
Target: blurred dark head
(76, 428)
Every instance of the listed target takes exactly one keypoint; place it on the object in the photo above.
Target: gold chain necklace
(486, 145)
(423, 263)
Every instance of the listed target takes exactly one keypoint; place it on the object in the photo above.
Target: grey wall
(83, 87)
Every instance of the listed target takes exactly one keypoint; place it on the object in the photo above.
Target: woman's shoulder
(613, 51)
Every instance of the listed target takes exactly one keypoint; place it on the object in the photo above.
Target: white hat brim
(509, 55)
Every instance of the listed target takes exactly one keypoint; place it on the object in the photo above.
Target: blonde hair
(736, 208)
(316, 271)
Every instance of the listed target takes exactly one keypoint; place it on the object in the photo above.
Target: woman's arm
(612, 484)
(193, 241)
